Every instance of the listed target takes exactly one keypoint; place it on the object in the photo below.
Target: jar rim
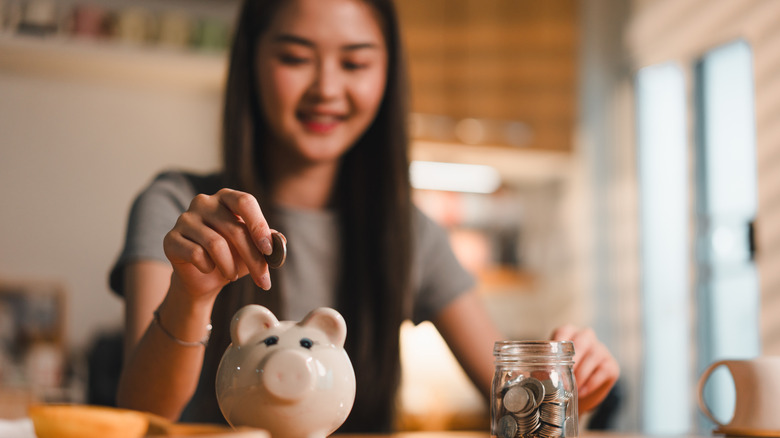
(518, 349)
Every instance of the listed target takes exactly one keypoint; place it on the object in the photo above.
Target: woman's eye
(271, 340)
(293, 60)
(349, 65)
(306, 343)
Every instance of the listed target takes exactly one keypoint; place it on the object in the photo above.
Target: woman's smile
(320, 122)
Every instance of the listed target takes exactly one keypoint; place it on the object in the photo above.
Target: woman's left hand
(595, 370)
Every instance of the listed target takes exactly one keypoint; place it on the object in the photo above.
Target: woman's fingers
(584, 343)
(592, 358)
(208, 243)
(564, 333)
(246, 253)
(246, 208)
(179, 249)
(601, 381)
(569, 333)
(595, 370)
(606, 374)
(583, 340)
(231, 231)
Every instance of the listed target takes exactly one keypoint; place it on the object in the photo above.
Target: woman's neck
(308, 187)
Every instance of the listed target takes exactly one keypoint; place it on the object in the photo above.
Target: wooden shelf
(110, 62)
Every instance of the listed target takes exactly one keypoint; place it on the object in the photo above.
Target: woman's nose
(327, 82)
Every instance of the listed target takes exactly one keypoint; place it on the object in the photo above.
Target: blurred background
(606, 163)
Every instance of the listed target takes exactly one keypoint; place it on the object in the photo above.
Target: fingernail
(265, 282)
(265, 246)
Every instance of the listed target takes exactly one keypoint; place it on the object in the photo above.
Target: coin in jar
(518, 399)
(552, 391)
(507, 427)
(279, 250)
(570, 427)
(536, 388)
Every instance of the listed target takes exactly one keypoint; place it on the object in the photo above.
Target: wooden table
(486, 434)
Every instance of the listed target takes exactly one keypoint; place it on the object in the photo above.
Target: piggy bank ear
(249, 320)
(330, 322)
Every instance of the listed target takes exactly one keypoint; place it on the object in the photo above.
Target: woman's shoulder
(426, 232)
(178, 188)
(181, 186)
(421, 222)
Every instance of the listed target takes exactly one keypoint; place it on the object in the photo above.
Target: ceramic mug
(757, 385)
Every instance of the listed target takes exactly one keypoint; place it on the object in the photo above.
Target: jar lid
(534, 351)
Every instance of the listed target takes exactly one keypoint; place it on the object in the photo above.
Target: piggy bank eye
(271, 340)
(306, 343)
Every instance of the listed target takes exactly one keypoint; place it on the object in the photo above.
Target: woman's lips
(319, 123)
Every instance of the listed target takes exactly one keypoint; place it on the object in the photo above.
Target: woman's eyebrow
(294, 39)
(288, 38)
(358, 46)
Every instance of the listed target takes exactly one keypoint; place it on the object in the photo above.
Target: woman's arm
(470, 333)
(219, 239)
(159, 375)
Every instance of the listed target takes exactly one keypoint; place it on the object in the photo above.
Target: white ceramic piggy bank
(293, 379)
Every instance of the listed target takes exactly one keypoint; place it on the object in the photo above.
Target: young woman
(315, 144)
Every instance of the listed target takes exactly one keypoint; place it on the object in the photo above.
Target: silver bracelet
(204, 342)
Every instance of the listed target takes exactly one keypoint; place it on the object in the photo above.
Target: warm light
(471, 178)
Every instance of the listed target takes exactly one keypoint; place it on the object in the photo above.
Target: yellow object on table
(80, 421)
(87, 421)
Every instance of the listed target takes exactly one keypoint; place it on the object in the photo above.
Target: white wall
(73, 154)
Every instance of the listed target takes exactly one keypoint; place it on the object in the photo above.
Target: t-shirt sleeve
(153, 213)
(438, 277)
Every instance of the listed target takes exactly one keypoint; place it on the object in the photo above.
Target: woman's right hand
(219, 239)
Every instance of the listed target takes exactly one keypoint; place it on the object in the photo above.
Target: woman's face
(322, 70)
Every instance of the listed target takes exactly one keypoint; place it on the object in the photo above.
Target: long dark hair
(372, 200)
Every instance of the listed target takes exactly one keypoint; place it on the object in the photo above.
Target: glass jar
(534, 393)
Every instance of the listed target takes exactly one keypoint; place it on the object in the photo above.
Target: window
(664, 212)
(727, 282)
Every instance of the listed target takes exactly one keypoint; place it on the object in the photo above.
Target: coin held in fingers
(278, 251)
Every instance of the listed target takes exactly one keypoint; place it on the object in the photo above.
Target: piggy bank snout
(288, 374)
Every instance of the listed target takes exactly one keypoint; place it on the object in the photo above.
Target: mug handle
(702, 380)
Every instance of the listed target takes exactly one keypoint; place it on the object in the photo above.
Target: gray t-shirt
(309, 273)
